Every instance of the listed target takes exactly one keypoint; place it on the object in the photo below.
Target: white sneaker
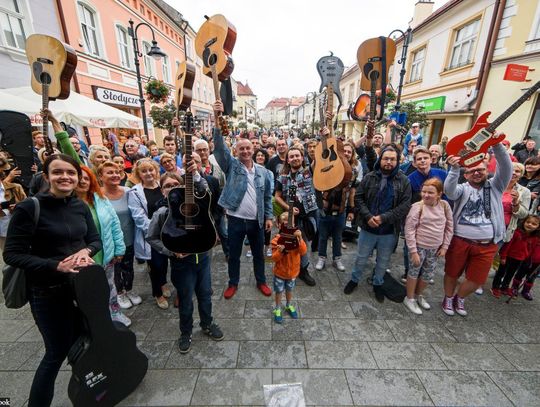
(124, 301)
(134, 298)
(459, 306)
(422, 302)
(120, 317)
(269, 252)
(479, 291)
(320, 263)
(411, 304)
(337, 263)
(248, 254)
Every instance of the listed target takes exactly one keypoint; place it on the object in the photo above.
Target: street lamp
(313, 115)
(407, 38)
(154, 52)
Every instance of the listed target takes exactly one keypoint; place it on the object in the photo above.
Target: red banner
(515, 72)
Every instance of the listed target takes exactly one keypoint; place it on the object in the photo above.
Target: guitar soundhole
(325, 154)
(189, 210)
(45, 78)
(333, 155)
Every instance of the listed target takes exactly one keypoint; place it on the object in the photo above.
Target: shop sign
(432, 104)
(115, 97)
(515, 72)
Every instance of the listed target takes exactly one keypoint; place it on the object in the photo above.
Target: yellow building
(517, 42)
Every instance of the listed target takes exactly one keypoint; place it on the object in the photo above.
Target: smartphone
(5, 205)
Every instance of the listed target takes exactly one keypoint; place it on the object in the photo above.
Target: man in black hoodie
(382, 201)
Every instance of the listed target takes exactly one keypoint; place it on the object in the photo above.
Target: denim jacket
(236, 183)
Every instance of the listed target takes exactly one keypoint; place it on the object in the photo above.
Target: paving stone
(143, 327)
(16, 386)
(205, 354)
(418, 356)
(465, 330)
(246, 329)
(157, 352)
(258, 309)
(8, 313)
(164, 388)
(526, 357)
(387, 388)
(515, 328)
(165, 330)
(32, 335)
(11, 330)
(462, 389)
(238, 387)
(149, 310)
(14, 354)
(325, 309)
(361, 330)
(339, 355)
(522, 388)
(420, 331)
(336, 293)
(33, 361)
(471, 356)
(227, 309)
(302, 330)
(321, 387)
(268, 354)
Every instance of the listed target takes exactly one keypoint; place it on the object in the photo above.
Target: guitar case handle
(78, 349)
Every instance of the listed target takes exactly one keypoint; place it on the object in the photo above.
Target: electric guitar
(472, 145)
(286, 231)
(331, 169)
(373, 55)
(106, 363)
(214, 44)
(52, 64)
(189, 227)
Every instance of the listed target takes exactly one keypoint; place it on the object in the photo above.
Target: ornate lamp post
(154, 52)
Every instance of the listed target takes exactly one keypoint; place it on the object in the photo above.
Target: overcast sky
(280, 41)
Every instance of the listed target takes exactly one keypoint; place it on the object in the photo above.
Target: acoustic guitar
(214, 44)
(185, 78)
(331, 169)
(286, 231)
(374, 56)
(52, 64)
(16, 131)
(106, 363)
(472, 145)
(189, 227)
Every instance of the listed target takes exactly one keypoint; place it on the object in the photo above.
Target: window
(462, 51)
(204, 93)
(12, 22)
(123, 46)
(149, 63)
(166, 69)
(198, 91)
(89, 29)
(351, 93)
(189, 51)
(417, 65)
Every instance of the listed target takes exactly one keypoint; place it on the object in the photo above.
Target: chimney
(422, 10)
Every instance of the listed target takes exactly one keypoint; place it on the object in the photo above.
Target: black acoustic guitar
(189, 227)
(106, 363)
(16, 139)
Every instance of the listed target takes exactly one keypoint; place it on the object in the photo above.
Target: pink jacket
(430, 227)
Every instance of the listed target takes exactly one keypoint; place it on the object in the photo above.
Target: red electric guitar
(473, 145)
(286, 231)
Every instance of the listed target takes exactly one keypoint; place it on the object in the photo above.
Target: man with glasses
(77, 146)
(413, 134)
(478, 226)
(382, 201)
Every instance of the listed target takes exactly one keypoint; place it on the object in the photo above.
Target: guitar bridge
(327, 168)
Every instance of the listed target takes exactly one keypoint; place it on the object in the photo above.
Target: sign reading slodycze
(115, 97)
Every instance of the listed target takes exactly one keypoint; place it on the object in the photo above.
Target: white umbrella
(76, 109)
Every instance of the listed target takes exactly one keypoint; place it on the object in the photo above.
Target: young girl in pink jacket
(425, 242)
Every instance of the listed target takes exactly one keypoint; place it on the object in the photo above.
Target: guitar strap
(383, 76)
(487, 199)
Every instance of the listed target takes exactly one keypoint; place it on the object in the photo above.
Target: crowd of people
(106, 204)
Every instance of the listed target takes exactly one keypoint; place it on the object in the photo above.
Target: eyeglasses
(169, 186)
(388, 159)
(479, 170)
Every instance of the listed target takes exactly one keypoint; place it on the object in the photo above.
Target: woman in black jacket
(64, 239)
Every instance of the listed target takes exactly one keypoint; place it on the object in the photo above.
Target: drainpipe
(495, 25)
(66, 37)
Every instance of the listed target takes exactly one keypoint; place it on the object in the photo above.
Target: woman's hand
(67, 266)
(441, 252)
(14, 173)
(415, 259)
(81, 258)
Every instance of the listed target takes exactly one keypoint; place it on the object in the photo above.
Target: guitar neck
(330, 107)
(45, 105)
(498, 121)
(188, 177)
(372, 107)
(220, 121)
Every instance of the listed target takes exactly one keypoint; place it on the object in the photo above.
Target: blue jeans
(192, 275)
(330, 225)
(221, 228)
(60, 324)
(238, 229)
(158, 264)
(367, 242)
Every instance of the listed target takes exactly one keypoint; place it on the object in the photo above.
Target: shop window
(417, 64)
(90, 31)
(123, 47)
(464, 41)
(14, 23)
(436, 131)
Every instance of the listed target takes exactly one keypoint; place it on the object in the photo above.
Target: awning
(77, 109)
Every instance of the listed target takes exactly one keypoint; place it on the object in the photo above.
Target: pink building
(98, 31)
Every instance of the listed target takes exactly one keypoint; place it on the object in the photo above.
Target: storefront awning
(75, 110)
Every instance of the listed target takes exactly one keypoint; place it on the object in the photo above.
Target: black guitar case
(185, 230)
(16, 139)
(106, 363)
(393, 289)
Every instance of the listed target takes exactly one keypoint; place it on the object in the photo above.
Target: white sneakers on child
(412, 305)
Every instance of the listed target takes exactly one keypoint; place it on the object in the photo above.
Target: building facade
(517, 47)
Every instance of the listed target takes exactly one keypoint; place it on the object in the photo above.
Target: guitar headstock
(190, 123)
(292, 194)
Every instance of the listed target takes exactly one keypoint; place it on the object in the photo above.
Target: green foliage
(157, 91)
(415, 114)
(162, 116)
(242, 125)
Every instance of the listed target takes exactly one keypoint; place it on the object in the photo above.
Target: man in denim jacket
(247, 200)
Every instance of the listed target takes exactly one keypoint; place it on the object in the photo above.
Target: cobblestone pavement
(344, 349)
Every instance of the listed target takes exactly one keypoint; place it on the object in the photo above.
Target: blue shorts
(281, 284)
